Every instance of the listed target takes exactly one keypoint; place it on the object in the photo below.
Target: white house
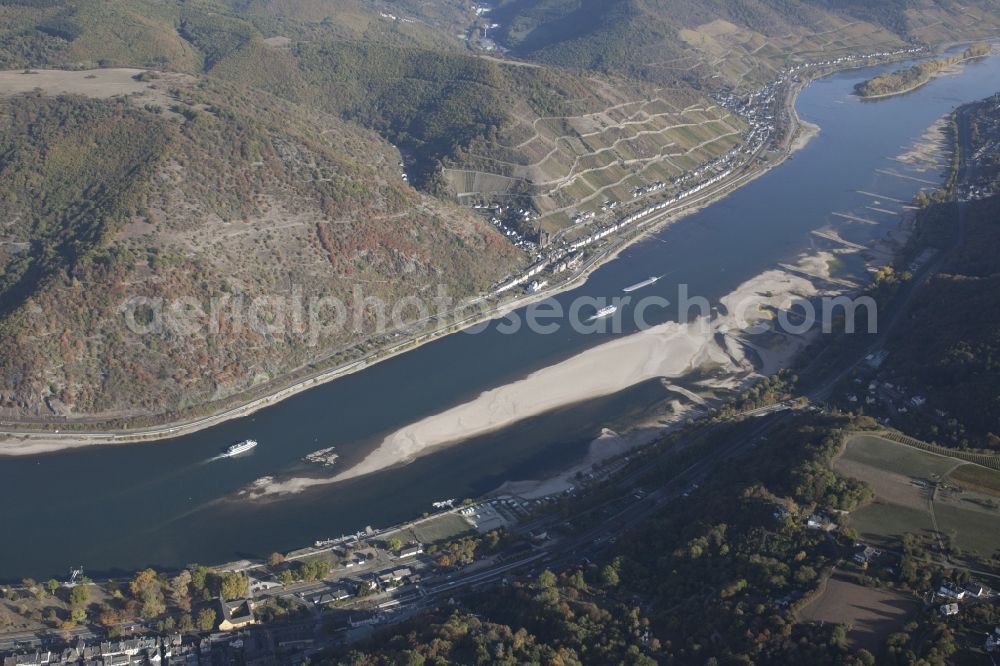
(948, 609)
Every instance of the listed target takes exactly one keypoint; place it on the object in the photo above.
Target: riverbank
(845, 189)
(721, 346)
(728, 349)
(31, 441)
(608, 445)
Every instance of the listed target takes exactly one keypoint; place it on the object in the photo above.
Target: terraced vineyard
(569, 164)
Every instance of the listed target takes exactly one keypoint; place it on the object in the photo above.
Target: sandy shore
(733, 346)
(717, 343)
(611, 444)
(608, 445)
(807, 132)
(670, 350)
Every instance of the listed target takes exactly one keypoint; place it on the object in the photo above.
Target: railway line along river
(532, 401)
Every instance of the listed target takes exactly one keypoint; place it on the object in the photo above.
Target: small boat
(640, 285)
(605, 311)
(237, 449)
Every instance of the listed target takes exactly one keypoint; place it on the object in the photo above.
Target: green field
(975, 531)
(893, 457)
(903, 480)
(433, 530)
(885, 523)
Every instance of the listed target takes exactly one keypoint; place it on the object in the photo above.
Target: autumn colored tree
(206, 619)
(146, 590)
(234, 585)
(79, 595)
(180, 590)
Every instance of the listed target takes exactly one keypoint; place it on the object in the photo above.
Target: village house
(394, 576)
(236, 614)
(993, 640)
(949, 592)
(976, 590)
(948, 609)
(866, 554)
(819, 521)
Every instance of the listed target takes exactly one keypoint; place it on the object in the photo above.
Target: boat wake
(235, 450)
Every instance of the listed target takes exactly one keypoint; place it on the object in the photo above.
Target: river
(169, 503)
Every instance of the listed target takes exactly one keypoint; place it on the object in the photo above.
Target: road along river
(532, 402)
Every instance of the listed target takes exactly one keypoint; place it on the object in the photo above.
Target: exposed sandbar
(670, 350)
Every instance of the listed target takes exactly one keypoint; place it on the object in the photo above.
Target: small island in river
(904, 80)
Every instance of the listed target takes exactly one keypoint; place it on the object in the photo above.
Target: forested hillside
(183, 36)
(226, 192)
(70, 167)
(742, 40)
(434, 103)
(267, 145)
(715, 578)
(416, 85)
(949, 353)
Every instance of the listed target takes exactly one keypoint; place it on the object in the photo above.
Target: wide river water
(168, 503)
